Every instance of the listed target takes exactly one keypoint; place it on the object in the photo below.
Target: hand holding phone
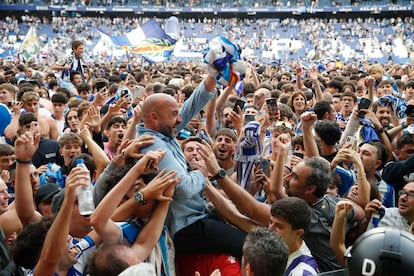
(239, 103)
(272, 109)
(264, 164)
(248, 118)
(351, 140)
(363, 104)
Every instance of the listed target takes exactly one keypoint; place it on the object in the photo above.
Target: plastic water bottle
(86, 205)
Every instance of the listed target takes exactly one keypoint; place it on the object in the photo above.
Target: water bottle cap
(79, 161)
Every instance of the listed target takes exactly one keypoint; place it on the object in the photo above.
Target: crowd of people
(188, 173)
(311, 39)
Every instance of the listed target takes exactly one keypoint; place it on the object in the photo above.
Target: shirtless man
(31, 104)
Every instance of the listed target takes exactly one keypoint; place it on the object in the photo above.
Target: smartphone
(124, 93)
(298, 154)
(352, 141)
(239, 103)
(264, 164)
(364, 103)
(272, 109)
(409, 112)
(248, 118)
(139, 92)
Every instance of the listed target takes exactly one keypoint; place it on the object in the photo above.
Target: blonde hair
(30, 96)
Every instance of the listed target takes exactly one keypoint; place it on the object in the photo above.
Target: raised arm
(11, 130)
(313, 74)
(152, 230)
(101, 219)
(369, 82)
(254, 78)
(276, 181)
(351, 127)
(228, 210)
(346, 154)
(54, 132)
(100, 158)
(211, 117)
(337, 239)
(56, 242)
(244, 201)
(24, 147)
(131, 130)
(308, 120)
(221, 100)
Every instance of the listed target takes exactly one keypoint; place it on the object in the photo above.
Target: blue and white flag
(149, 40)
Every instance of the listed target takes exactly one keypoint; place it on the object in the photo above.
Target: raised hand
(162, 186)
(5, 175)
(237, 118)
(100, 97)
(133, 149)
(343, 209)
(149, 162)
(284, 141)
(206, 152)
(94, 119)
(372, 207)
(369, 81)
(308, 119)
(84, 133)
(26, 145)
(369, 114)
(313, 74)
(17, 107)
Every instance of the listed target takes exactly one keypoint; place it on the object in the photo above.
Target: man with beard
(115, 131)
(401, 217)
(224, 149)
(383, 114)
(192, 230)
(308, 180)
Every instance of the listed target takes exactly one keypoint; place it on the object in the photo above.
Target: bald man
(193, 232)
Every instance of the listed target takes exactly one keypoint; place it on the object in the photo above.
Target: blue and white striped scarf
(248, 153)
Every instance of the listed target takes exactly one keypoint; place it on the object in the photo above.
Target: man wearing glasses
(401, 217)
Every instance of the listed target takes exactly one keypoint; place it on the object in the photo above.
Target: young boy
(59, 101)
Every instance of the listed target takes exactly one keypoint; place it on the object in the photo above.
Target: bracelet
(403, 125)
(24, 162)
(380, 130)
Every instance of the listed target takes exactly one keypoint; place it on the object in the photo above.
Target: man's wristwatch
(221, 174)
(139, 197)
